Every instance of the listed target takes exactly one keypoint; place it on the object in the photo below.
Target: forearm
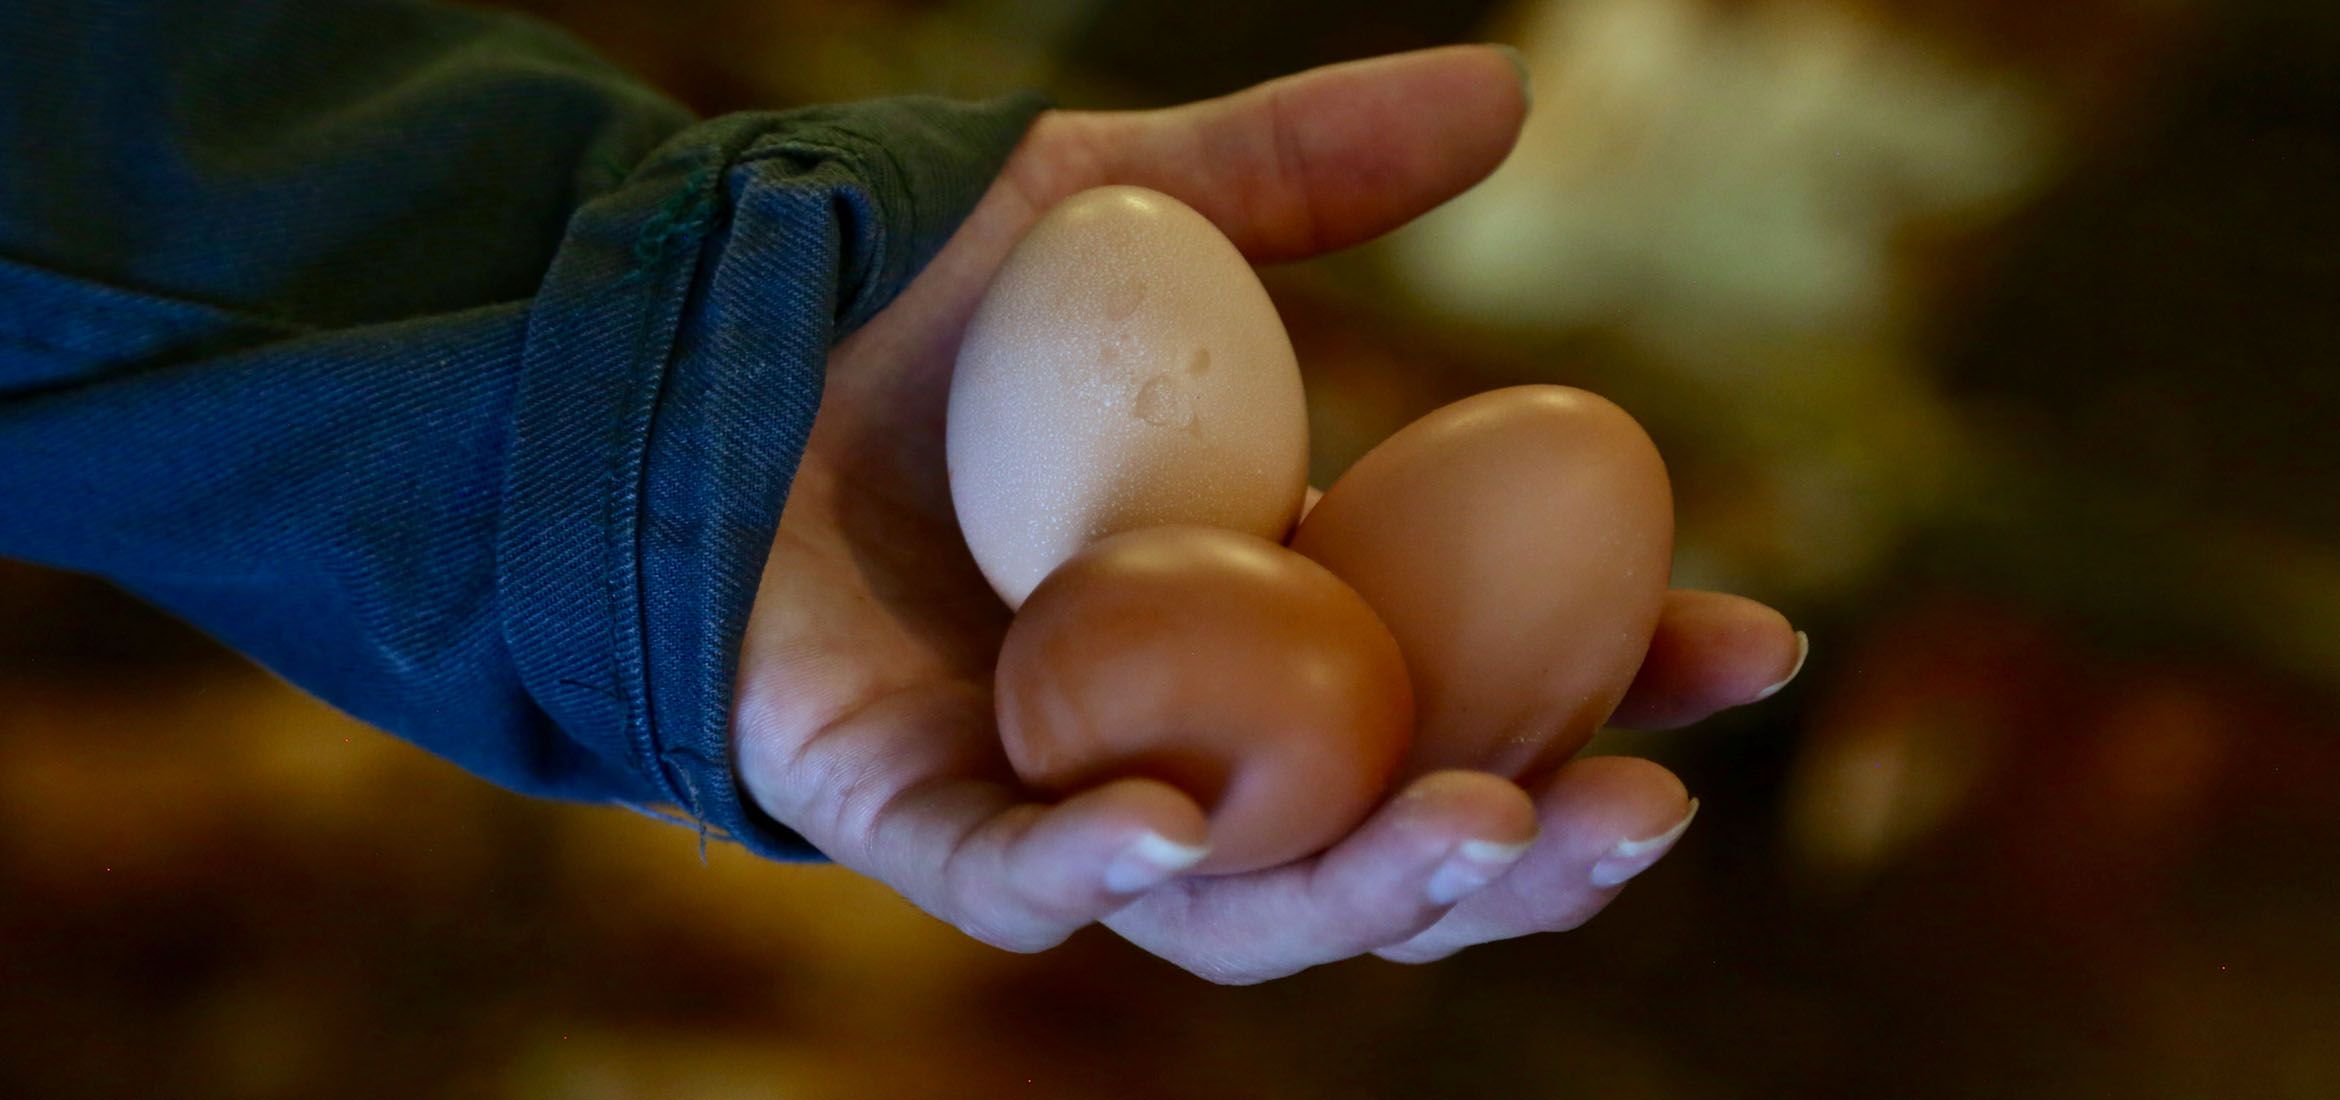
(436, 365)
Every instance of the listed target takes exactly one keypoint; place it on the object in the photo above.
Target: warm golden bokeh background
(1999, 343)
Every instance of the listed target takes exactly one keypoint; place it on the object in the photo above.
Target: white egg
(1124, 370)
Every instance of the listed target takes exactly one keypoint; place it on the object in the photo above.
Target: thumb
(1327, 158)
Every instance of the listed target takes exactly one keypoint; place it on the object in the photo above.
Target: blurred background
(1996, 342)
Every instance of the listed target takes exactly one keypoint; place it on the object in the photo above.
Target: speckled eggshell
(1124, 370)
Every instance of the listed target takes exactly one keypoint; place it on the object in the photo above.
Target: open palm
(864, 715)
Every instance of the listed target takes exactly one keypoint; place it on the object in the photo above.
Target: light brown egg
(1518, 544)
(1221, 663)
(1125, 369)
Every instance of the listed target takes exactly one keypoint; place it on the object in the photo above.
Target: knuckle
(1069, 912)
(1573, 917)
(1405, 955)
(1021, 941)
(1387, 930)
(1221, 972)
(1228, 976)
(1008, 924)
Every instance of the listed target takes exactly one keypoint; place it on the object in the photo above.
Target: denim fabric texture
(436, 365)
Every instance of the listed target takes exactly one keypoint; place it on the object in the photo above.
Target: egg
(1518, 544)
(1220, 663)
(1124, 369)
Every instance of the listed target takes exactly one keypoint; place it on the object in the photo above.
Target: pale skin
(864, 715)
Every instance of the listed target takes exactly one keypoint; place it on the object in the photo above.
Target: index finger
(910, 788)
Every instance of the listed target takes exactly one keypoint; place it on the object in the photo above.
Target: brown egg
(1518, 544)
(1221, 663)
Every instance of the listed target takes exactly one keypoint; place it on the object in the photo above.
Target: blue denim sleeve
(437, 366)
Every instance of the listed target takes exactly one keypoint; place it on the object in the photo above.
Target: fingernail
(1632, 857)
(1474, 864)
(1527, 84)
(1149, 862)
(1803, 650)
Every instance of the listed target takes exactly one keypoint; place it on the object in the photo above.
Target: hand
(864, 715)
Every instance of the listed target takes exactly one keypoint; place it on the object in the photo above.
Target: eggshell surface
(1220, 663)
(1125, 369)
(1518, 544)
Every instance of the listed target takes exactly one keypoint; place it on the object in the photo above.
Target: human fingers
(1712, 651)
(1603, 820)
(911, 789)
(1287, 169)
(1447, 834)
(1030, 875)
(1323, 159)
(1023, 876)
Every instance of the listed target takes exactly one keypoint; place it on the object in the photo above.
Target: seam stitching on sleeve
(681, 219)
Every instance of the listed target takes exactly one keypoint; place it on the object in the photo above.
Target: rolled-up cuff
(674, 362)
